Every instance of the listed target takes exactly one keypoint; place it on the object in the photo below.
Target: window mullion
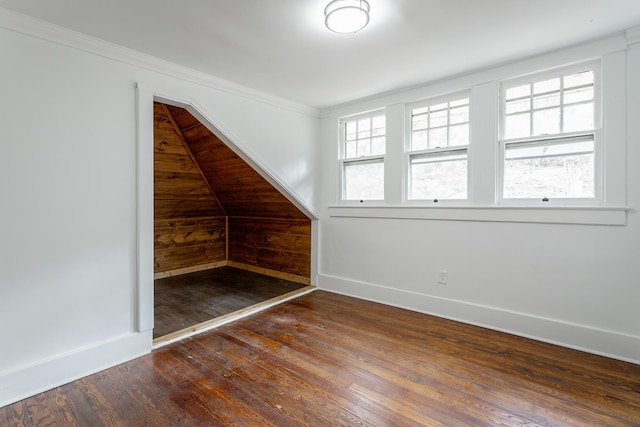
(483, 150)
(562, 105)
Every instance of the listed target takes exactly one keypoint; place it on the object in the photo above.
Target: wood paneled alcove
(213, 209)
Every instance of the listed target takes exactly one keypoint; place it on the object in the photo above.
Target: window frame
(596, 133)
(370, 159)
(408, 153)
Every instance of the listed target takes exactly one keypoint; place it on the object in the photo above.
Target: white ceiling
(282, 47)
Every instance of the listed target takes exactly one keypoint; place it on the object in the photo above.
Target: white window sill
(588, 215)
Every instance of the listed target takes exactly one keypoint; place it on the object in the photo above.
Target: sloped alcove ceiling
(211, 206)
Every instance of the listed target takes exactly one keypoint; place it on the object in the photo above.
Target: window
(544, 145)
(437, 153)
(363, 149)
(549, 137)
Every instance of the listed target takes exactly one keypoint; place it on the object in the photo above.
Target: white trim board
(579, 337)
(29, 380)
(580, 215)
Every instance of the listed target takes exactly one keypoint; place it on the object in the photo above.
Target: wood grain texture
(241, 190)
(265, 229)
(271, 273)
(194, 161)
(329, 360)
(281, 245)
(190, 224)
(189, 299)
(183, 243)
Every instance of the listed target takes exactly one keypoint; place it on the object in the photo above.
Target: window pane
(364, 180)
(578, 117)
(350, 149)
(438, 138)
(364, 147)
(350, 131)
(546, 86)
(419, 122)
(518, 91)
(459, 115)
(579, 79)
(419, 140)
(546, 122)
(554, 170)
(548, 100)
(438, 123)
(438, 176)
(378, 132)
(518, 105)
(459, 135)
(517, 126)
(459, 102)
(378, 146)
(379, 125)
(360, 134)
(438, 118)
(578, 95)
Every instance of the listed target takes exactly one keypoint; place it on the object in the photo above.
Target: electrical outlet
(443, 276)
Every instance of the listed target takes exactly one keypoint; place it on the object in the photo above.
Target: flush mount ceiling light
(346, 16)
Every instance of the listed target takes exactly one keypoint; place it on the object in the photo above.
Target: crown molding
(42, 30)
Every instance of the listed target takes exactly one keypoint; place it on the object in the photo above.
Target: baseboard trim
(190, 269)
(29, 380)
(602, 342)
(268, 272)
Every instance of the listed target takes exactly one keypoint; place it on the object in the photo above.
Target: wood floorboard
(190, 299)
(324, 359)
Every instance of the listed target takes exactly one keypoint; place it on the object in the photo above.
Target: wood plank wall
(200, 182)
(275, 244)
(190, 225)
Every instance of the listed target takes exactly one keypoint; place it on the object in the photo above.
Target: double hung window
(437, 149)
(531, 141)
(550, 137)
(362, 160)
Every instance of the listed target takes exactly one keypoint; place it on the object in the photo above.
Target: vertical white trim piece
(484, 112)
(394, 158)
(614, 128)
(315, 252)
(144, 206)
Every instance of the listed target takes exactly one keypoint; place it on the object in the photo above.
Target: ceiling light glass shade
(346, 16)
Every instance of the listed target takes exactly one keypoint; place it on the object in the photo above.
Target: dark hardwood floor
(328, 360)
(189, 299)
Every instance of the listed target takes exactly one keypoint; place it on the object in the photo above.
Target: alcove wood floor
(324, 359)
(187, 300)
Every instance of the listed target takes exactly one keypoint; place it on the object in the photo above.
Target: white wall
(576, 285)
(68, 192)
